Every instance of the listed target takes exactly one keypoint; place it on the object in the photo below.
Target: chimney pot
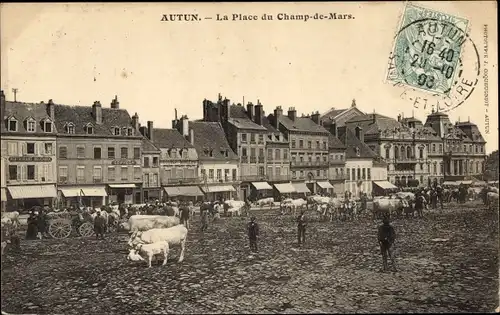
(292, 113)
(97, 112)
(114, 103)
(250, 111)
(150, 131)
(191, 136)
(259, 113)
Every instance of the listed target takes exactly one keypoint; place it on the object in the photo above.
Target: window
(69, 128)
(111, 152)
(252, 151)
(124, 173)
(137, 153)
(146, 180)
(97, 153)
(13, 172)
(30, 148)
(348, 173)
(325, 158)
(89, 130)
(285, 154)
(353, 174)
(261, 138)
(434, 168)
(325, 146)
(301, 143)
(243, 137)
(226, 174)
(63, 152)
(146, 161)
(12, 124)
(359, 173)
(234, 174)
(63, 174)
(358, 152)
(317, 144)
(261, 170)
(261, 152)
(124, 152)
(277, 171)
(203, 174)
(421, 153)
(421, 166)
(293, 144)
(80, 174)
(369, 173)
(244, 152)
(434, 147)
(80, 152)
(97, 174)
(137, 173)
(252, 137)
(12, 148)
(116, 131)
(441, 168)
(440, 148)
(309, 144)
(31, 125)
(318, 172)
(211, 174)
(364, 174)
(387, 153)
(155, 180)
(47, 126)
(409, 153)
(48, 148)
(270, 154)
(219, 174)
(155, 161)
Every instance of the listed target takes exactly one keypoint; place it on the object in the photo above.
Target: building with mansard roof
(29, 162)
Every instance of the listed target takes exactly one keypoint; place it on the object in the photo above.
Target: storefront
(124, 194)
(283, 190)
(183, 193)
(301, 190)
(28, 196)
(3, 199)
(260, 190)
(382, 188)
(83, 196)
(218, 192)
(151, 194)
(325, 188)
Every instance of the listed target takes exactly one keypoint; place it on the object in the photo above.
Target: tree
(491, 166)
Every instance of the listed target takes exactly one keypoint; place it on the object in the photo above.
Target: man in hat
(253, 233)
(185, 214)
(99, 225)
(301, 227)
(386, 238)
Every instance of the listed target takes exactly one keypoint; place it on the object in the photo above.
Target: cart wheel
(59, 229)
(86, 229)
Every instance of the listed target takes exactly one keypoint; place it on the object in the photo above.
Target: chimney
(135, 121)
(277, 114)
(353, 104)
(359, 134)
(250, 111)
(206, 110)
(150, 130)
(184, 126)
(51, 109)
(373, 117)
(114, 103)
(191, 136)
(292, 113)
(144, 131)
(399, 118)
(315, 117)
(97, 112)
(333, 129)
(259, 112)
(226, 108)
(2, 104)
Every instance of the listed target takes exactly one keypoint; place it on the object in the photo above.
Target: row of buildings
(61, 154)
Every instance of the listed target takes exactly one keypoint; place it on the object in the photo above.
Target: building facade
(178, 161)
(336, 162)
(3, 184)
(151, 184)
(28, 146)
(99, 155)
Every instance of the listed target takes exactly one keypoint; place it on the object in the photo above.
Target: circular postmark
(434, 60)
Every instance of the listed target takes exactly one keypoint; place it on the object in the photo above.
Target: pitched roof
(471, 130)
(351, 142)
(21, 112)
(210, 137)
(169, 138)
(335, 143)
(80, 116)
(148, 146)
(333, 112)
(301, 124)
(266, 122)
(238, 117)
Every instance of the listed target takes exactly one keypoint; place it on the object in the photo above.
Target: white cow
(293, 205)
(265, 202)
(13, 216)
(235, 206)
(149, 250)
(140, 222)
(319, 199)
(175, 235)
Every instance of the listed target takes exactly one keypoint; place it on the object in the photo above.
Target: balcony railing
(171, 181)
(96, 180)
(253, 159)
(336, 162)
(275, 178)
(310, 163)
(337, 177)
(261, 159)
(253, 178)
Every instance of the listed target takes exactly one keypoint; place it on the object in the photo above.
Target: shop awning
(285, 188)
(448, 183)
(261, 185)
(385, 184)
(89, 191)
(324, 185)
(187, 191)
(301, 188)
(220, 188)
(71, 192)
(122, 186)
(33, 191)
(466, 182)
(3, 194)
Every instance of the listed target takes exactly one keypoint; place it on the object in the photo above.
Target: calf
(176, 235)
(149, 251)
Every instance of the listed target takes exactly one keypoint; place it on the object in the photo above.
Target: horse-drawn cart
(62, 224)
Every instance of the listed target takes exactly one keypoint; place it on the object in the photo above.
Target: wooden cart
(62, 224)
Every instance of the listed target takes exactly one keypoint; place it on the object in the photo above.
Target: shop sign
(123, 162)
(30, 159)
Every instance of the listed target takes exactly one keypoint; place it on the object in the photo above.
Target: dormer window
(211, 153)
(89, 129)
(30, 125)
(124, 131)
(130, 131)
(12, 124)
(357, 151)
(116, 131)
(47, 125)
(69, 128)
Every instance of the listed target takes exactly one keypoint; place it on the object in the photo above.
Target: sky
(76, 54)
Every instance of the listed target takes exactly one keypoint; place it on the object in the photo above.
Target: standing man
(99, 225)
(253, 233)
(301, 227)
(204, 219)
(185, 215)
(386, 238)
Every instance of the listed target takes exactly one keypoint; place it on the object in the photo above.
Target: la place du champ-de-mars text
(250, 17)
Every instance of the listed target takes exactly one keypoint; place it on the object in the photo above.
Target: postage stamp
(433, 53)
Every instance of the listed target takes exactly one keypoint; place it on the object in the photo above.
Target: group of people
(37, 224)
